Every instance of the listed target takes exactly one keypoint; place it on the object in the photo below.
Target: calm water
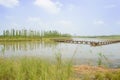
(82, 54)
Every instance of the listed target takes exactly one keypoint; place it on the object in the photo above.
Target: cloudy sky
(80, 17)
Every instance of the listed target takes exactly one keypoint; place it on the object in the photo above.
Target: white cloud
(98, 22)
(110, 6)
(49, 5)
(9, 3)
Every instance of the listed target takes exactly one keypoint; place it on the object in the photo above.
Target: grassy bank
(115, 37)
(109, 37)
(31, 68)
(46, 39)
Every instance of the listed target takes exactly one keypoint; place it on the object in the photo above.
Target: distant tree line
(32, 33)
(54, 34)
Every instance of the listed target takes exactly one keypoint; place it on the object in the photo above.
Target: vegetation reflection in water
(25, 45)
(84, 54)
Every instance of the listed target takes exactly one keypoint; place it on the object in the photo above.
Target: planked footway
(92, 43)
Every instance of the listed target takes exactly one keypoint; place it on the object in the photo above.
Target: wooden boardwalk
(92, 43)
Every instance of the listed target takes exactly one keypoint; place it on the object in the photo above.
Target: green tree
(4, 33)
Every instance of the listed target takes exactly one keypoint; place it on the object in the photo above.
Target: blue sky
(80, 17)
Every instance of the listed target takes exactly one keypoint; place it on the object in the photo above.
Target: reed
(32, 68)
(36, 68)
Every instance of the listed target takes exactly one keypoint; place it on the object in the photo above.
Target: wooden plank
(92, 43)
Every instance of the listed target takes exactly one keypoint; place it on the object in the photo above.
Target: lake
(81, 54)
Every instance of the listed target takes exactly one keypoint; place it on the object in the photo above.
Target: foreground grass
(30, 68)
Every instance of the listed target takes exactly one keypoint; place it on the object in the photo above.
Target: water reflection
(24, 46)
(83, 54)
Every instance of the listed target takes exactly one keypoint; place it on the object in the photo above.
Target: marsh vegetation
(36, 68)
(31, 55)
(30, 35)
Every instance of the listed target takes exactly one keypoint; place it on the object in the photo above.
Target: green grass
(36, 68)
(32, 68)
(45, 39)
(108, 37)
